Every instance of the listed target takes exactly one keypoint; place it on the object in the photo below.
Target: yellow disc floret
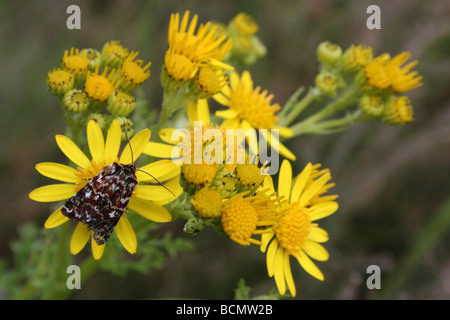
(100, 86)
(293, 228)
(207, 202)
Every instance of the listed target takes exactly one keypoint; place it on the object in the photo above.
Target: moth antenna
(129, 143)
(132, 161)
(159, 182)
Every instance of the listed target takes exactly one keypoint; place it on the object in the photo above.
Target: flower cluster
(98, 85)
(217, 166)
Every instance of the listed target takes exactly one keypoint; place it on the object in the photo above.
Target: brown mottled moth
(102, 201)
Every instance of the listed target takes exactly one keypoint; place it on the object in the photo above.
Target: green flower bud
(329, 53)
(327, 83)
(371, 105)
(75, 101)
(59, 81)
(121, 103)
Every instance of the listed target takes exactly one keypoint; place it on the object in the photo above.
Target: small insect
(103, 200)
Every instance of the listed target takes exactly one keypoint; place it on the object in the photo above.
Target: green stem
(346, 99)
(172, 102)
(294, 110)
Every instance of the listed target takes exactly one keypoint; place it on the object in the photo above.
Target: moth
(103, 200)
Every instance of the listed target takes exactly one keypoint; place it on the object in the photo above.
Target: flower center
(254, 106)
(293, 228)
(99, 87)
(179, 67)
(249, 175)
(199, 174)
(133, 70)
(86, 174)
(113, 53)
(239, 219)
(207, 202)
(211, 80)
(75, 62)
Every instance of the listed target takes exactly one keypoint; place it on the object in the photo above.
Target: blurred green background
(392, 181)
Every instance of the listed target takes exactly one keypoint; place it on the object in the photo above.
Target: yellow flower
(296, 233)
(208, 202)
(383, 72)
(100, 86)
(132, 73)
(356, 57)
(113, 53)
(242, 218)
(59, 81)
(76, 63)
(398, 111)
(205, 44)
(146, 199)
(249, 108)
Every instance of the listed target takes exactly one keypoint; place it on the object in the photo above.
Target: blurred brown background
(392, 181)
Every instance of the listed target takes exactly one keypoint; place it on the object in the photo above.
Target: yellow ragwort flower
(383, 72)
(100, 86)
(204, 45)
(76, 63)
(59, 81)
(251, 108)
(132, 73)
(398, 111)
(242, 217)
(295, 233)
(146, 199)
(208, 202)
(114, 53)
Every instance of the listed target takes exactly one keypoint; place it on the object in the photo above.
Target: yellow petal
(309, 266)
(268, 184)
(192, 112)
(322, 210)
(318, 235)
(234, 123)
(161, 150)
(137, 143)
(234, 80)
(285, 132)
(52, 192)
(79, 238)
(152, 192)
(277, 145)
(300, 182)
(203, 112)
(316, 251)
(71, 150)
(167, 134)
(314, 188)
(149, 210)
(95, 140)
(126, 235)
(162, 170)
(279, 270)
(265, 240)
(227, 114)
(97, 250)
(222, 99)
(247, 78)
(113, 139)
(270, 256)
(288, 273)
(56, 219)
(285, 180)
(57, 171)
